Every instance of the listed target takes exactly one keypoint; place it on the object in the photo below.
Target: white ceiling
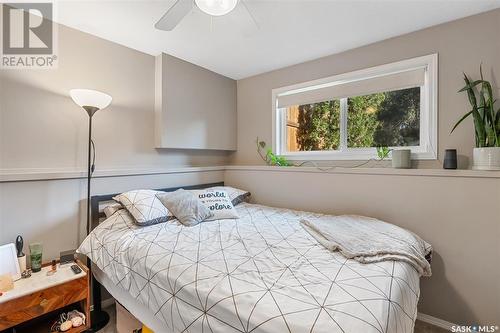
(288, 32)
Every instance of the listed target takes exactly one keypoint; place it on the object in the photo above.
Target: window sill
(20, 175)
(357, 154)
(373, 171)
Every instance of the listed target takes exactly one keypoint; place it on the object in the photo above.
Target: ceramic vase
(487, 158)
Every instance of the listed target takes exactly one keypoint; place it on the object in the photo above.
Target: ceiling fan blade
(250, 14)
(174, 15)
(246, 22)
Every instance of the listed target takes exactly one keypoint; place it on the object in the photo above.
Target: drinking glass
(36, 256)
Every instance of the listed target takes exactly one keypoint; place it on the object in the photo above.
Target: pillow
(145, 207)
(185, 206)
(236, 195)
(218, 202)
(112, 208)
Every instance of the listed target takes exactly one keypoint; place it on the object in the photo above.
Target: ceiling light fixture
(216, 7)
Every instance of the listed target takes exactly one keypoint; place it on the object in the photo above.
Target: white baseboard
(435, 321)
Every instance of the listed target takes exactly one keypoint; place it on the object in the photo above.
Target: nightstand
(36, 302)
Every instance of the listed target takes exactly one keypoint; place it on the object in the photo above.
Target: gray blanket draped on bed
(369, 240)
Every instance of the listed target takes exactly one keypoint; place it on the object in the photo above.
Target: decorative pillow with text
(219, 203)
(236, 195)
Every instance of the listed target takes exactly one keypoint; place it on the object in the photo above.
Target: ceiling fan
(181, 8)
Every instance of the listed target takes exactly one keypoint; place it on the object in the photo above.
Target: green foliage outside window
(381, 119)
(399, 119)
(362, 121)
(319, 126)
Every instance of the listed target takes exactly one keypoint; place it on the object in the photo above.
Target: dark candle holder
(450, 159)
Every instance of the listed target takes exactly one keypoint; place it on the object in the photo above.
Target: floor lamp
(92, 101)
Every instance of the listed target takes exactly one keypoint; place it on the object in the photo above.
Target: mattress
(260, 273)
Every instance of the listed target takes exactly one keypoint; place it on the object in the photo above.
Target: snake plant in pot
(486, 123)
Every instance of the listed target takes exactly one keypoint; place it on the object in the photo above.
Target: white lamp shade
(93, 98)
(216, 7)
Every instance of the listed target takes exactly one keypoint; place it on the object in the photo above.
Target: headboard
(95, 200)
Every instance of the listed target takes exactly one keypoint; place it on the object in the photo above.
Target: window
(347, 116)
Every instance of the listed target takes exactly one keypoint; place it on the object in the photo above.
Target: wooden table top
(40, 281)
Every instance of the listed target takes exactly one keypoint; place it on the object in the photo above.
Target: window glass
(384, 119)
(348, 115)
(313, 126)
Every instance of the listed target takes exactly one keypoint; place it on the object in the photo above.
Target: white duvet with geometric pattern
(260, 273)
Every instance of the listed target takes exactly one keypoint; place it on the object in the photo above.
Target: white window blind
(355, 87)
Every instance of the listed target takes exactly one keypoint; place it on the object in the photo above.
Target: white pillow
(145, 207)
(218, 202)
(236, 195)
(112, 208)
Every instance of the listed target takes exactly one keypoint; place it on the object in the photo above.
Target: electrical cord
(92, 168)
(314, 164)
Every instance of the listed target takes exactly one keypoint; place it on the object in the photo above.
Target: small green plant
(269, 157)
(383, 152)
(486, 118)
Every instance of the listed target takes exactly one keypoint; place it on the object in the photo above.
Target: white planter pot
(486, 158)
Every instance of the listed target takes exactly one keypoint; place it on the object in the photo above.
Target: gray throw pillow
(185, 206)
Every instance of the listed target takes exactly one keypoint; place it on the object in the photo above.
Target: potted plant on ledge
(486, 119)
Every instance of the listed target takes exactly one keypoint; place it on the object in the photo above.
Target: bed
(260, 273)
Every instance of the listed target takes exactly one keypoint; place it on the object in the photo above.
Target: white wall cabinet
(194, 107)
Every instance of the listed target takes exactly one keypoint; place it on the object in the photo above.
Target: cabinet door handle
(43, 302)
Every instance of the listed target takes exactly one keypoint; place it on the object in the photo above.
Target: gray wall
(41, 127)
(53, 211)
(195, 108)
(42, 130)
(457, 215)
(462, 45)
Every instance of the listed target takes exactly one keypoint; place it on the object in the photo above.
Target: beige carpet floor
(420, 327)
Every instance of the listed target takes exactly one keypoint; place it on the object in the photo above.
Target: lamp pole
(99, 318)
(91, 110)
(92, 101)
(89, 172)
